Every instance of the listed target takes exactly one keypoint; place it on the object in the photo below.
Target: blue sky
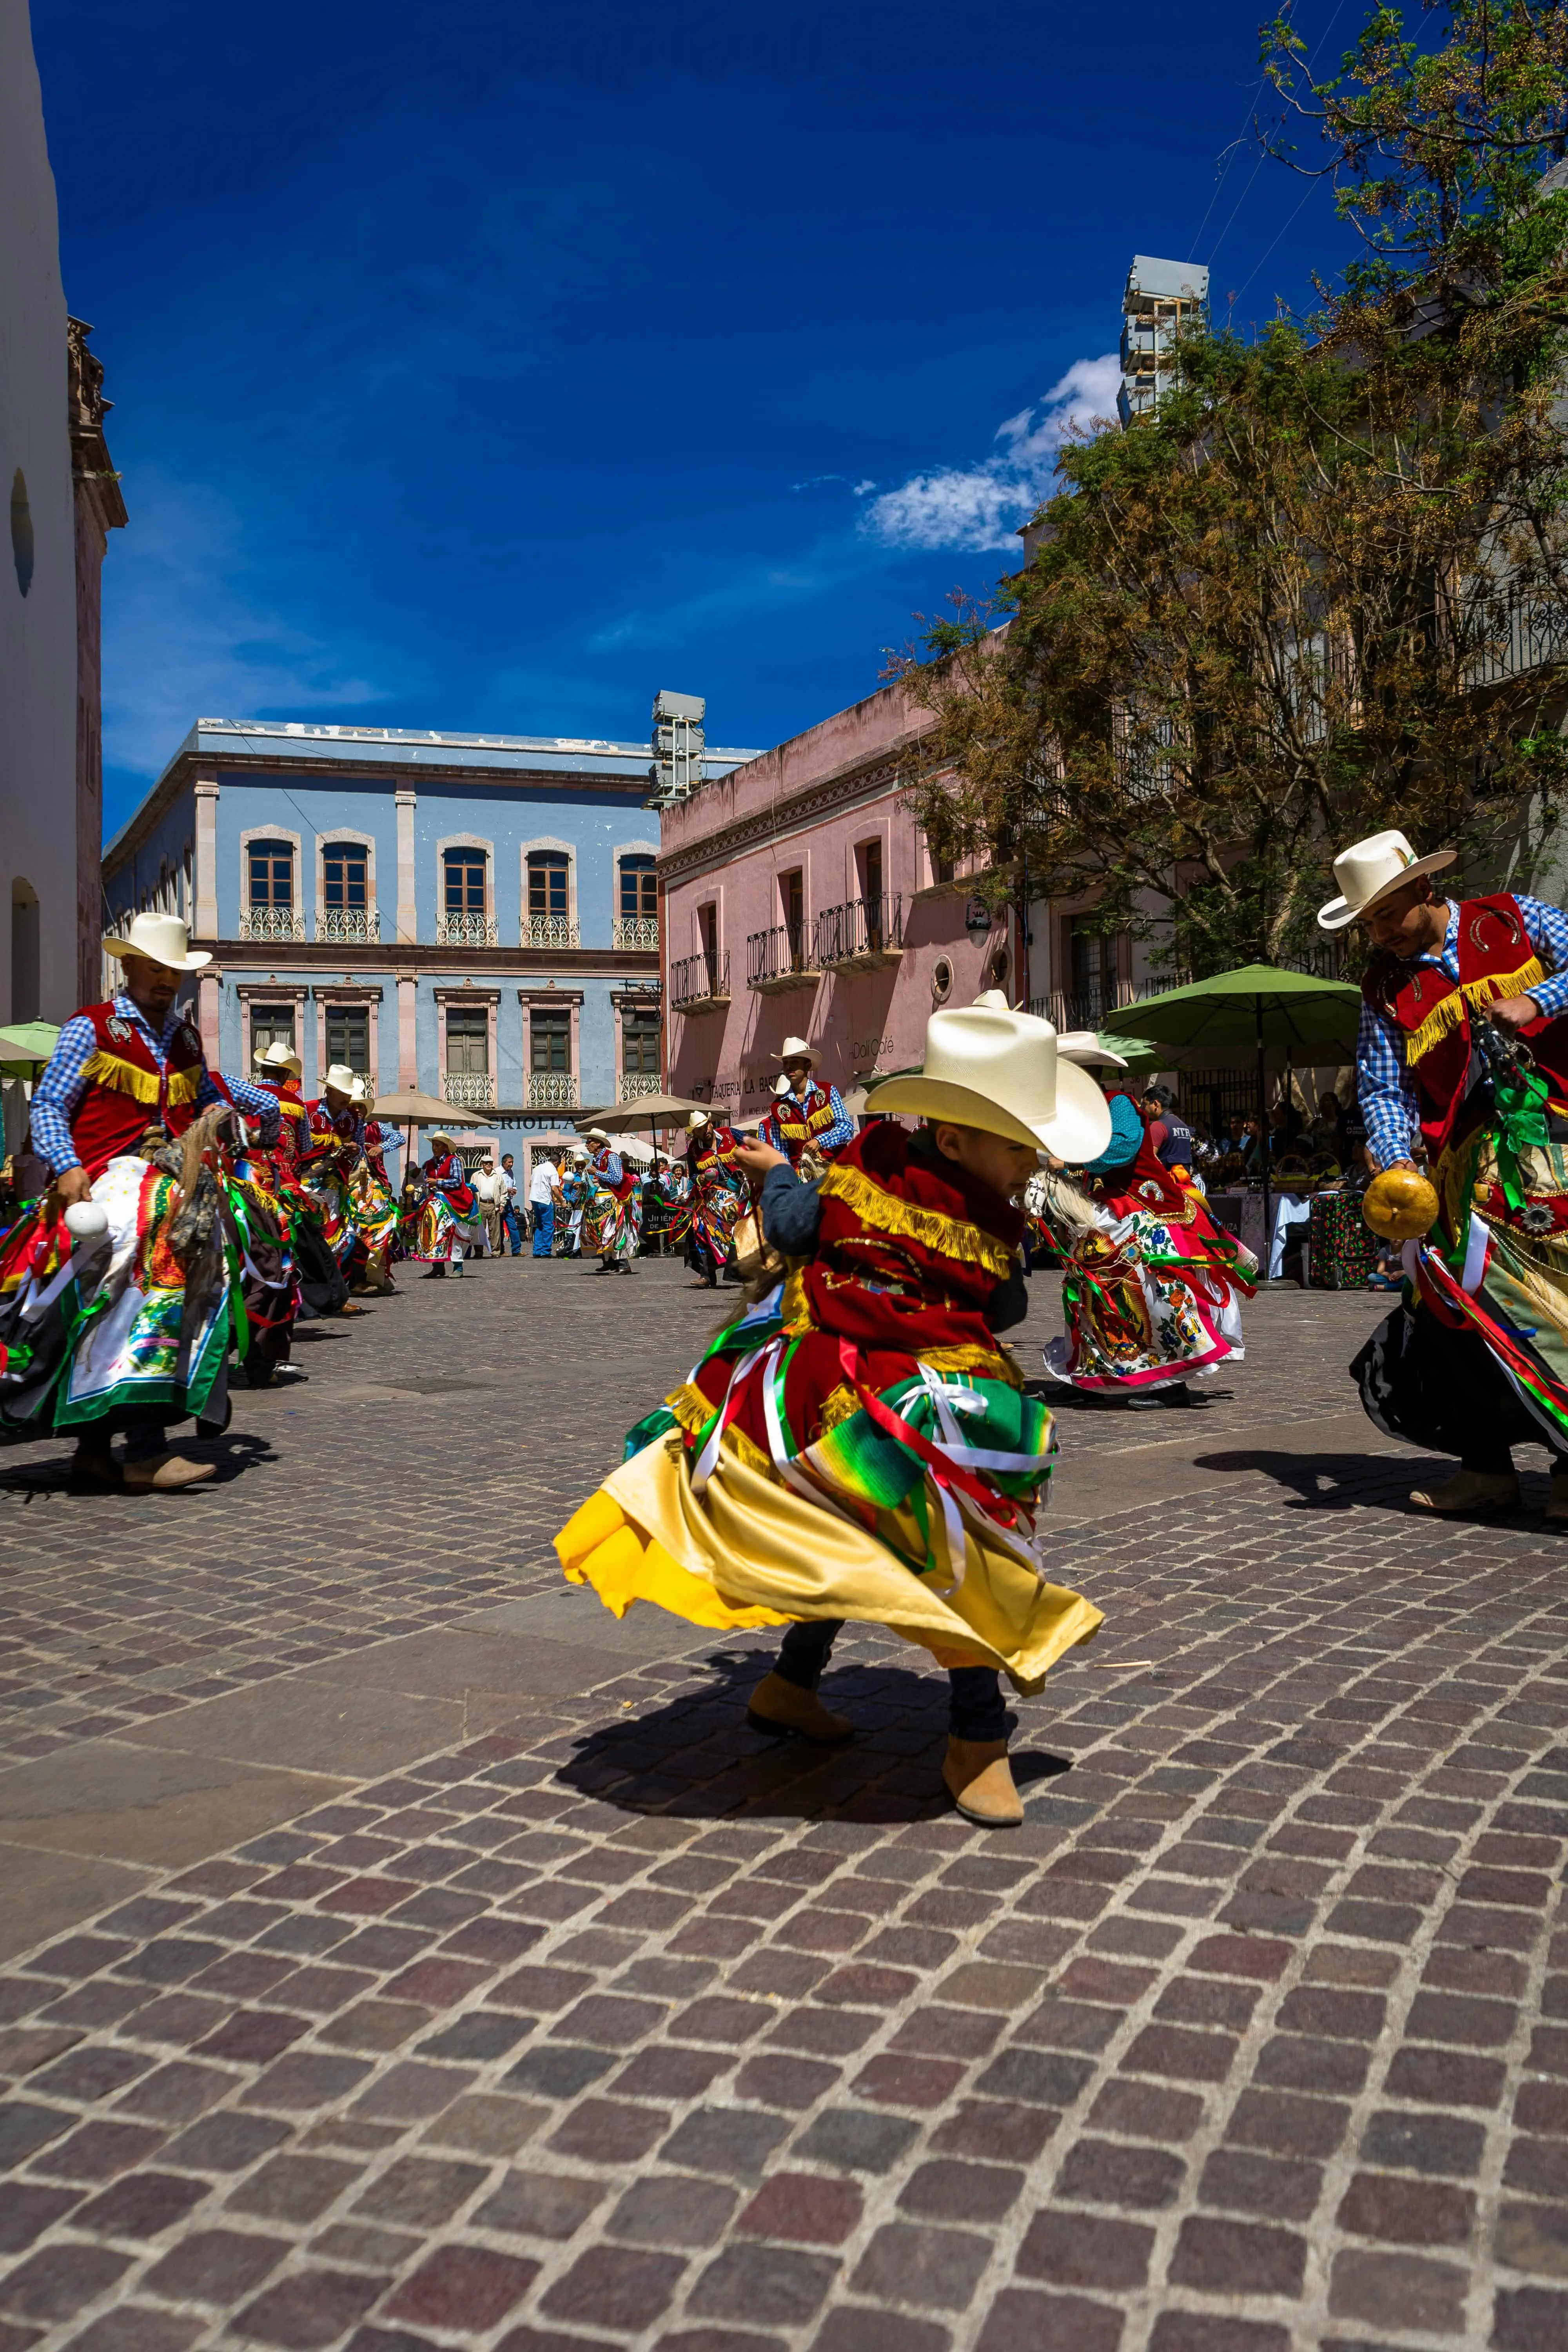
(491, 365)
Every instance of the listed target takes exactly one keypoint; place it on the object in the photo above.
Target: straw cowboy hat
(597, 1135)
(796, 1049)
(162, 939)
(439, 1135)
(1072, 1045)
(1368, 870)
(1000, 1071)
(278, 1056)
(341, 1079)
(699, 1118)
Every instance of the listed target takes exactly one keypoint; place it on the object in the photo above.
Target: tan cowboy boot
(778, 1708)
(1471, 1494)
(980, 1782)
(165, 1473)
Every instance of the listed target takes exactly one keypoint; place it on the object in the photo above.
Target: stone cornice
(406, 961)
(892, 770)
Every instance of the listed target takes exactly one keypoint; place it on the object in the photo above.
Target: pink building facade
(799, 898)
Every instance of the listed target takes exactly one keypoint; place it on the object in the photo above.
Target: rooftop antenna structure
(679, 744)
(1162, 299)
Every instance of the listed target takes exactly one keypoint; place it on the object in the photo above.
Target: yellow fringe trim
(1444, 1017)
(142, 1086)
(691, 1407)
(949, 1236)
(843, 1404)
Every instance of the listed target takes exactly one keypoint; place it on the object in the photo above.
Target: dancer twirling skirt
(858, 1446)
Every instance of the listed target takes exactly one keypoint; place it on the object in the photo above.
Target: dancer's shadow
(1334, 1482)
(697, 1759)
(230, 1454)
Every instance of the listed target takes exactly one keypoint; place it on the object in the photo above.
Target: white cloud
(982, 505)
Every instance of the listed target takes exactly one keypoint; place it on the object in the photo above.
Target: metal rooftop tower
(1164, 298)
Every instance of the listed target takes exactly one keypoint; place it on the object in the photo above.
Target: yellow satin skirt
(749, 1551)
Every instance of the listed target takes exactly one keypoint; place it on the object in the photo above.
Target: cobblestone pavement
(405, 1956)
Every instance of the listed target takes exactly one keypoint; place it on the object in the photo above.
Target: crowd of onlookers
(1238, 1150)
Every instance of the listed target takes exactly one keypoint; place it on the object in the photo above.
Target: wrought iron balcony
(782, 960)
(465, 931)
(474, 1089)
(635, 931)
(634, 1084)
(550, 931)
(862, 935)
(552, 1090)
(353, 925)
(701, 984)
(271, 923)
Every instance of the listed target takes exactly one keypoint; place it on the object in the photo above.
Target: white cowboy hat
(1082, 1045)
(1000, 1072)
(359, 1091)
(597, 1135)
(162, 939)
(796, 1049)
(341, 1079)
(278, 1056)
(782, 1085)
(699, 1118)
(439, 1135)
(1368, 870)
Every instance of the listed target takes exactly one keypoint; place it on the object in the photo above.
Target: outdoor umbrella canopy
(1258, 1006)
(425, 1110)
(644, 1110)
(29, 1041)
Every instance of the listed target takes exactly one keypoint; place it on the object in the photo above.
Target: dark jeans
(146, 1432)
(977, 1708)
(511, 1225)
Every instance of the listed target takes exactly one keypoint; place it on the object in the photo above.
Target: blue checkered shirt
(1389, 1103)
(59, 1091)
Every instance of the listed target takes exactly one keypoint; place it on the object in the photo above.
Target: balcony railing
(862, 935)
(550, 931)
(634, 1084)
(353, 925)
(473, 1089)
(701, 984)
(781, 959)
(552, 1090)
(465, 931)
(271, 923)
(635, 931)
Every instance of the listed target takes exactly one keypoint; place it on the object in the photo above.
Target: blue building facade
(475, 916)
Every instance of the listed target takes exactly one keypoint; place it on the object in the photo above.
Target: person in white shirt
(511, 1223)
(485, 1182)
(542, 1190)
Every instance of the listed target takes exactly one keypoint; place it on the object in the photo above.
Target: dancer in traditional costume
(1464, 1045)
(612, 1226)
(360, 1204)
(1152, 1286)
(715, 1198)
(322, 1289)
(119, 1315)
(806, 1122)
(450, 1219)
(858, 1446)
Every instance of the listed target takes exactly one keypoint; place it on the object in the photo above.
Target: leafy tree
(1321, 589)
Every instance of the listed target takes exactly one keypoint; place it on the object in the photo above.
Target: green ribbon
(1519, 1098)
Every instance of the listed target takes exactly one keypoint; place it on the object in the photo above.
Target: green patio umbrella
(26, 1045)
(1260, 1007)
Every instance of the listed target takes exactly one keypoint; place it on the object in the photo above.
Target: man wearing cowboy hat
(449, 1221)
(862, 1448)
(612, 1226)
(804, 1115)
(713, 1200)
(1454, 1373)
(119, 1069)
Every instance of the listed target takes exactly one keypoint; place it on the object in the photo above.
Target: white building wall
(38, 630)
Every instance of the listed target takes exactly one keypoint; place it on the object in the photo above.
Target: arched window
(549, 872)
(465, 881)
(271, 874)
(639, 890)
